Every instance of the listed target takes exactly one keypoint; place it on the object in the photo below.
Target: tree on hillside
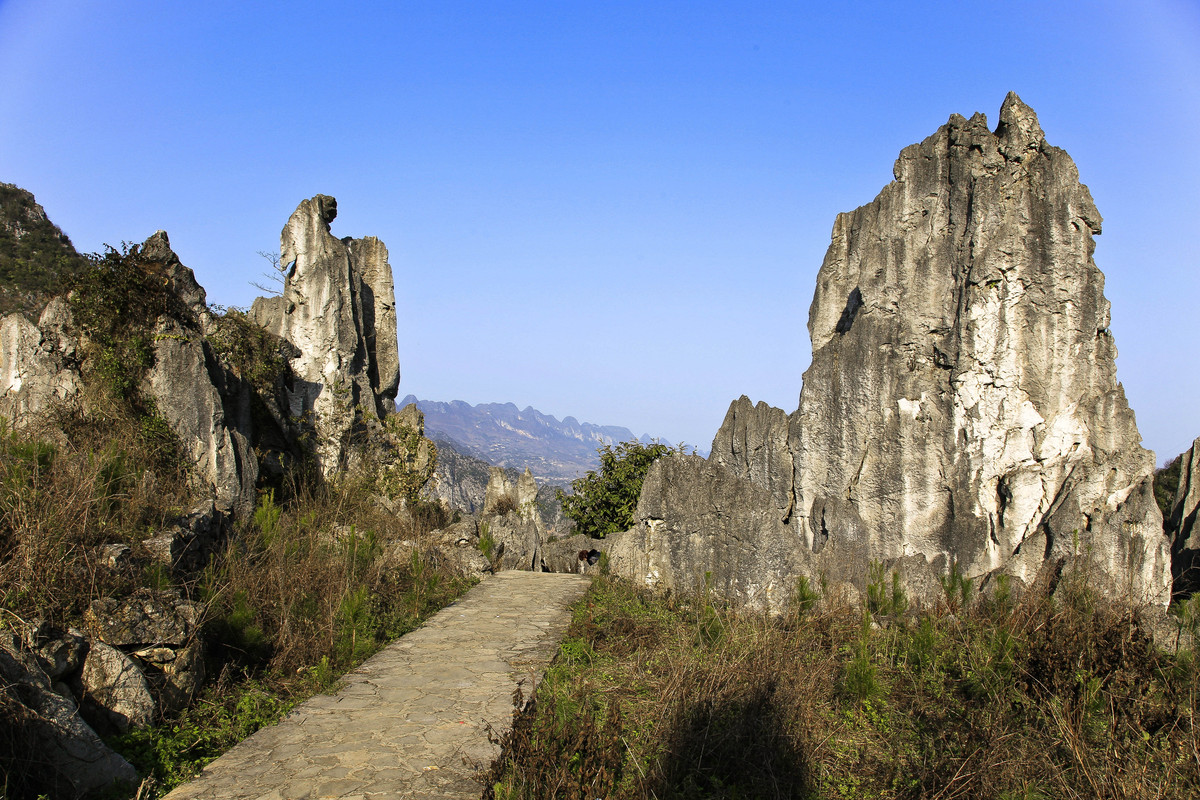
(603, 502)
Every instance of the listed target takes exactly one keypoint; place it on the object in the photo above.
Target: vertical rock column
(338, 308)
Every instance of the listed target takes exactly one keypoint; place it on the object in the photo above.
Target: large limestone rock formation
(962, 403)
(1181, 525)
(338, 308)
(39, 363)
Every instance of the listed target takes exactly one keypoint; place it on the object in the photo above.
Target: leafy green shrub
(956, 587)
(254, 355)
(603, 502)
(487, 542)
(882, 599)
(1166, 482)
(116, 301)
(174, 752)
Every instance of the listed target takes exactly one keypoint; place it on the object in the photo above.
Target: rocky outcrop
(36, 258)
(45, 732)
(510, 519)
(338, 309)
(962, 403)
(39, 364)
(1181, 525)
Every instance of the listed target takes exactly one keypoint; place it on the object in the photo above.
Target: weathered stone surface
(753, 444)
(180, 676)
(61, 652)
(160, 618)
(505, 495)
(701, 524)
(1182, 527)
(64, 751)
(112, 681)
(38, 363)
(562, 555)
(510, 513)
(961, 406)
(184, 382)
(338, 309)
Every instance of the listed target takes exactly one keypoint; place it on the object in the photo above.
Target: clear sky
(612, 210)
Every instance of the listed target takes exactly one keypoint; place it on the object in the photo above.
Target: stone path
(409, 716)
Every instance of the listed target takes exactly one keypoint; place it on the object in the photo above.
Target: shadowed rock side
(962, 403)
(338, 308)
(1182, 528)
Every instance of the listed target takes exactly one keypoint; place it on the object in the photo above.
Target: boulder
(149, 619)
(61, 752)
(961, 408)
(112, 681)
(338, 309)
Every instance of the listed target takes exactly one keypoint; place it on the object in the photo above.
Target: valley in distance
(500, 434)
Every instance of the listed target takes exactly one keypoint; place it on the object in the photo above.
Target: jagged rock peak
(961, 407)
(338, 308)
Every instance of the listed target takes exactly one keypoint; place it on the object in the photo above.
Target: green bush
(116, 301)
(603, 502)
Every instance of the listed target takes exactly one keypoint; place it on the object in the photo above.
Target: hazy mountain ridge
(501, 434)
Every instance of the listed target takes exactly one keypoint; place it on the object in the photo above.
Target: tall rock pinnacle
(962, 405)
(338, 308)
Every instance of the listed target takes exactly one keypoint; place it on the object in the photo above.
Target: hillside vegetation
(36, 258)
(319, 577)
(1030, 697)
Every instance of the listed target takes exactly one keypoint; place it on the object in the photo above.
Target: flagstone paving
(411, 722)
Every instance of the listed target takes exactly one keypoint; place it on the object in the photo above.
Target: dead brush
(1049, 695)
(69, 484)
(315, 581)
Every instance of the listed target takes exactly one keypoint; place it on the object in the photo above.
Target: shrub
(1044, 698)
(603, 502)
(116, 301)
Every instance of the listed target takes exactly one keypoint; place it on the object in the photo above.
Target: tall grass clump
(1062, 695)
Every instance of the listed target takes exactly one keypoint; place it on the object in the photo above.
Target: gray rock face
(338, 309)
(184, 384)
(698, 524)
(753, 444)
(67, 752)
(504, 495)
(39, 364)
(510, 511)
(1182, 527)
(160, 619)
(113, 682)
(962, 403)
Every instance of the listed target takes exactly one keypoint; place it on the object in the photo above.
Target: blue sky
(609, 210)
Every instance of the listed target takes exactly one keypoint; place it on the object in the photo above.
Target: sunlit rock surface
(338, 309)
(961, 407)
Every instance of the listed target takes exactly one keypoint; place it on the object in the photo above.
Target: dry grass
(1053, 697)
(70, 485)
(308, 588)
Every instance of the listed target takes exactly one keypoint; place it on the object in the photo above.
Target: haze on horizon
(614, 211)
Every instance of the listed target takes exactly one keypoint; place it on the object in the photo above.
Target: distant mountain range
(504, 435)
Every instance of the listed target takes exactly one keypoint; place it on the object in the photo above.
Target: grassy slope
(35, 256)
(1043, 698)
